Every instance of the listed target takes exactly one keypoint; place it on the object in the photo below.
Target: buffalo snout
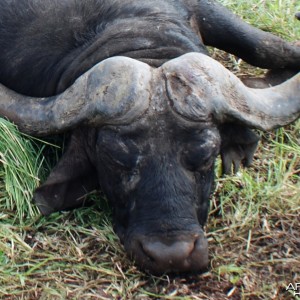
(158, 254)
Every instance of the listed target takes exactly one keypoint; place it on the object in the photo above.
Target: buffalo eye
(200, 153)
(196, 159)
(121, 156)
(118, 152)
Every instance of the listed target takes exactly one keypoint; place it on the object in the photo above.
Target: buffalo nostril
(165, 254)
(160, 251)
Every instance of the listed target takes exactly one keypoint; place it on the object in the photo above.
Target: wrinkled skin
(157, 171)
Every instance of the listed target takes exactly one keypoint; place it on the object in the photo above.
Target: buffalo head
(148, 137)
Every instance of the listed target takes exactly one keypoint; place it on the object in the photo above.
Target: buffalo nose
(178, 254)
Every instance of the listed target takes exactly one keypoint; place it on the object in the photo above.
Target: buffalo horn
(201, 88)
(115, 91)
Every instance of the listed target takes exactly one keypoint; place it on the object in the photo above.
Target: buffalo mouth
(180, 252)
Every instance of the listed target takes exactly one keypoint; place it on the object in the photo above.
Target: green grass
(270, 15)
(253, 227)
(20, 170)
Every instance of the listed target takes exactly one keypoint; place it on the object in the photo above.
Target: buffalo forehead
(169, 128)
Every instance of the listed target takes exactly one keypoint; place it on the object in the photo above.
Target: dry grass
(253, 230)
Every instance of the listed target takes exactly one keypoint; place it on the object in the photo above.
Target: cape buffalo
(147, 108)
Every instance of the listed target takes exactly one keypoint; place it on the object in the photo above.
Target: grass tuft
(20, 170)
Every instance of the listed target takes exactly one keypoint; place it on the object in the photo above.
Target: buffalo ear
(70, 181)
(238, 147)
